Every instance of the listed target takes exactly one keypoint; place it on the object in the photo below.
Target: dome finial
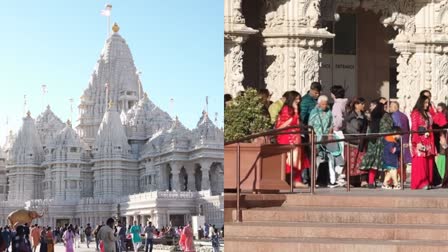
(115, 28)
(28, 114)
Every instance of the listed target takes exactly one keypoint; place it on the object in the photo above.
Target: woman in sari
(380, 122)
(423, 150)
(290, 116)
(356, 123)
(187, 240)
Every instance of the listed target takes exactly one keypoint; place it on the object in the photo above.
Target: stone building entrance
(62, 222)
(286, 40)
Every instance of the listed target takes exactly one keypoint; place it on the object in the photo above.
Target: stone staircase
(385, 221)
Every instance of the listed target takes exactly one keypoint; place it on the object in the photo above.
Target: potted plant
(261, 164)
(245, 116)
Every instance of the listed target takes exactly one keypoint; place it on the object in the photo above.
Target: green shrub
(245, 116)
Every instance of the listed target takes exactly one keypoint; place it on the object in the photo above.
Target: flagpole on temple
(71, 109)
(107, 12)
(44, 91)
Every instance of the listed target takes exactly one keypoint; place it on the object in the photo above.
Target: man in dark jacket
(309, 101)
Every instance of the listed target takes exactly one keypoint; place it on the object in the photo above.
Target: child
(391, 156)
(440, 119)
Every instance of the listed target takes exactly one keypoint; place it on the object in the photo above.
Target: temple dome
(147, 119)
(67, 137)
(177, 136)
(27, 148)
(207, 132)
(47, 125)
(111, 139)
(115, 67)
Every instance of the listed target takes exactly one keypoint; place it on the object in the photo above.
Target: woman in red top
(423, 150)
(290, 116)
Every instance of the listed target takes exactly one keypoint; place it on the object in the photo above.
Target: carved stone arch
(441, 13)
(312, 13)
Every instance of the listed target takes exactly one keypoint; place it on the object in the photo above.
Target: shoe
(397, 187)
(342, 183)
(364, 184)
(300, 185)
(372, 186)
(334, 185)
(387, 187)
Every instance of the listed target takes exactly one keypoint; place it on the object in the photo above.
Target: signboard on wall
(343, 73)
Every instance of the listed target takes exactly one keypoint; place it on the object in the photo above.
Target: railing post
(291, 166)
(238, 181)
(347, 168)
(313, 162)
(402, 163)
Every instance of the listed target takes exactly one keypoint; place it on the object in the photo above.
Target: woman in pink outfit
(187, 241)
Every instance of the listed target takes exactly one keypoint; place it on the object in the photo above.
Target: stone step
(371, 199)
(337, 231)
(425, 216)
(264, 244)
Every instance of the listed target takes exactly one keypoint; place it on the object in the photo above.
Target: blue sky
(176, 44)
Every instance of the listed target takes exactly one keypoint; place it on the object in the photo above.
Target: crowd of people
(374, 161)
(109, 237)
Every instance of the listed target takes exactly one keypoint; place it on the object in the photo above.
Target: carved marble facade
(129, 160)
(293, 39)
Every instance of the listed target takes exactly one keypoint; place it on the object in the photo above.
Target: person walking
(35, 236)
(149, 234)
(88, 233)
(136, 238)
(215, 241)
(6, 235)
(106, 235)
(95, 234)
(69, 238)
(121, 233)
(423, 149)
(187, 240)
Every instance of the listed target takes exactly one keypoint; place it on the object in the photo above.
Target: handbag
(332, 147)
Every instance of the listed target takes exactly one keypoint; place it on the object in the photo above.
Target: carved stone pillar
(205, 169)
(235, 34)
(190, 168)
(163, 177)
(128, 220)
(292, 45)
(175, 171)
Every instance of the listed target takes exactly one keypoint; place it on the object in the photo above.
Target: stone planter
(262, 166)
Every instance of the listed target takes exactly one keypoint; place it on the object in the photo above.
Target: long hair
(420, 106)
(352, 106)
(290, 97)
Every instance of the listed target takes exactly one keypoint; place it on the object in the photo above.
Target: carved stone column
(235, 34)
(205, 169)
(163, 178)
(175, 171)
(190, 168)
(293, 44)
